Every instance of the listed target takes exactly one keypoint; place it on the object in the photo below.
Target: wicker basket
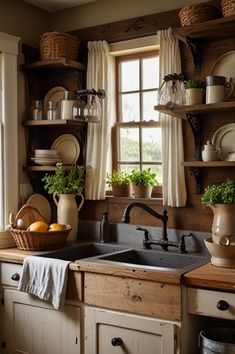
(36, 241)
(197, 13)
(54, 45)
(228, 7)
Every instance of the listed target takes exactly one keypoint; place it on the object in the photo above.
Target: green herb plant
(117, 178)
(65, 181)
(221, 194)
(194, 84)
(144, 177)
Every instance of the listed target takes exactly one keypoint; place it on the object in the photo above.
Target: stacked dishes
(46, 157)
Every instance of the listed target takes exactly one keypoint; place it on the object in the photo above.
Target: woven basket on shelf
(197, 13)
(54, 45)
(36, 241)
(228, 7)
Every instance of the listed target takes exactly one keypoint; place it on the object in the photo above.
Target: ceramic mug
(218, 93)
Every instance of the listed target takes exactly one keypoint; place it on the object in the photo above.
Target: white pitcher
(67, 212)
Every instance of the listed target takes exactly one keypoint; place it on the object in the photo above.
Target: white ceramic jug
(67, 212)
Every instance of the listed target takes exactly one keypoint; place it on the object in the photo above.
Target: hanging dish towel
(45, 278)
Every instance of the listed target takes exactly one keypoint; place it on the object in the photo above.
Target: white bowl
(44, 152)
(222, 255)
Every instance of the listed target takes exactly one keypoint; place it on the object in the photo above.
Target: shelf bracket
(195, 172)
(195, 48)
(195, 126)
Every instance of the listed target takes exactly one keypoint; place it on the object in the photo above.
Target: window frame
(115, 141)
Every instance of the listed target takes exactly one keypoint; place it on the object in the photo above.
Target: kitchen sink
(83, 251)
(148, 258)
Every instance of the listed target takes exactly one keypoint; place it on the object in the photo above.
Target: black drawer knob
(15, 276)
(116, 341)
(222, 305)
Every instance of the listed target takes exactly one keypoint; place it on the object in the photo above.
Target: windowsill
(122, 200)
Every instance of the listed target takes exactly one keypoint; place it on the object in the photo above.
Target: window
(138, 131)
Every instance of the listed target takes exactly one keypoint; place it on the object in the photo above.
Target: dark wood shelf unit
(53, 66)
(202, 164)
(56, 122)
(215, 29)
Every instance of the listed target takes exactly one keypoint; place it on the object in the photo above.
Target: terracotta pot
(223, 227)
(122, 190)
(140, 191)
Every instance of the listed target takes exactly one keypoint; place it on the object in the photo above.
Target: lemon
(56, 227)
(38, 226)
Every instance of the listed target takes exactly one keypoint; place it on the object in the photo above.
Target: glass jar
(37, 110)
(67, 105)
(78, 109)
(51, 110)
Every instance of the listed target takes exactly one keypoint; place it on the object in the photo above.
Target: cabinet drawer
(132, 295)
(211, 303)
(7, 271)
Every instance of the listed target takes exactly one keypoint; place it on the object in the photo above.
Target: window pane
(130, 110)
(129, 168)
(130, 75)
(156, 169)
(152, 140)
(150, 72)
(129, 144)
(149, 101)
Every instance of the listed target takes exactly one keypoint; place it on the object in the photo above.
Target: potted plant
(65, 185)
(120, 183)
(195, 91)
(221, 199)
(143, 182)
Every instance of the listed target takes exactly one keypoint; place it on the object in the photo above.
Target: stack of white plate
(46, 157)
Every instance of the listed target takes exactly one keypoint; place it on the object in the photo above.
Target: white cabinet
(110, 332)
(34, 327)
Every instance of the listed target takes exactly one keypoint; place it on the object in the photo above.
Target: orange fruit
(38, 226)
(56, 227)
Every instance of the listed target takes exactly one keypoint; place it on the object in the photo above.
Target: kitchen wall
(23, 20)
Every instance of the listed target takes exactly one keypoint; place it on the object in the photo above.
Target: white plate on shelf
(45, 161)
(224, 66)
(224, 139)
(56, 94)
(41, 203)
(68, 148)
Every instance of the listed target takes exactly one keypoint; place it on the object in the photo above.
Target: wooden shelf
(208, 163)
(53, 66)
(183, 111)
(214, 29)
(43, 168)
(45, 122)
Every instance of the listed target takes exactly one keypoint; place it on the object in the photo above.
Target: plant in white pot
(195, 91)
(120, 183)
(65, 185)
(143, 182)
(221, 199)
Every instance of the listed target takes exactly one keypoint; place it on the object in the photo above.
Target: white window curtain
(100, 74)
(174, 190)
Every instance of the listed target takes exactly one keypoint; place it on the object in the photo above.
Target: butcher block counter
(210, 276)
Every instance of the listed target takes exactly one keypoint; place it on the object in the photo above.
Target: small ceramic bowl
(230, 156)
(222, 255)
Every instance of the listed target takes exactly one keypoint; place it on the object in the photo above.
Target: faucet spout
(163, 216)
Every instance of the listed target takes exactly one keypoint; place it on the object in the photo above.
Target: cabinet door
(138, 334)
(34, 327)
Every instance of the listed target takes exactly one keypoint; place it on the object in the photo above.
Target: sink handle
(146, 240)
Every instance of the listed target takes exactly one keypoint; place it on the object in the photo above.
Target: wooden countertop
(14, 255)
(212, 277)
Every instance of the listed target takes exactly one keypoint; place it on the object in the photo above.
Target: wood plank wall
(192, 217)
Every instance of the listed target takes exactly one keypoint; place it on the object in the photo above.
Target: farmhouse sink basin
(153, 259)
(83, 251)
(149, 258)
